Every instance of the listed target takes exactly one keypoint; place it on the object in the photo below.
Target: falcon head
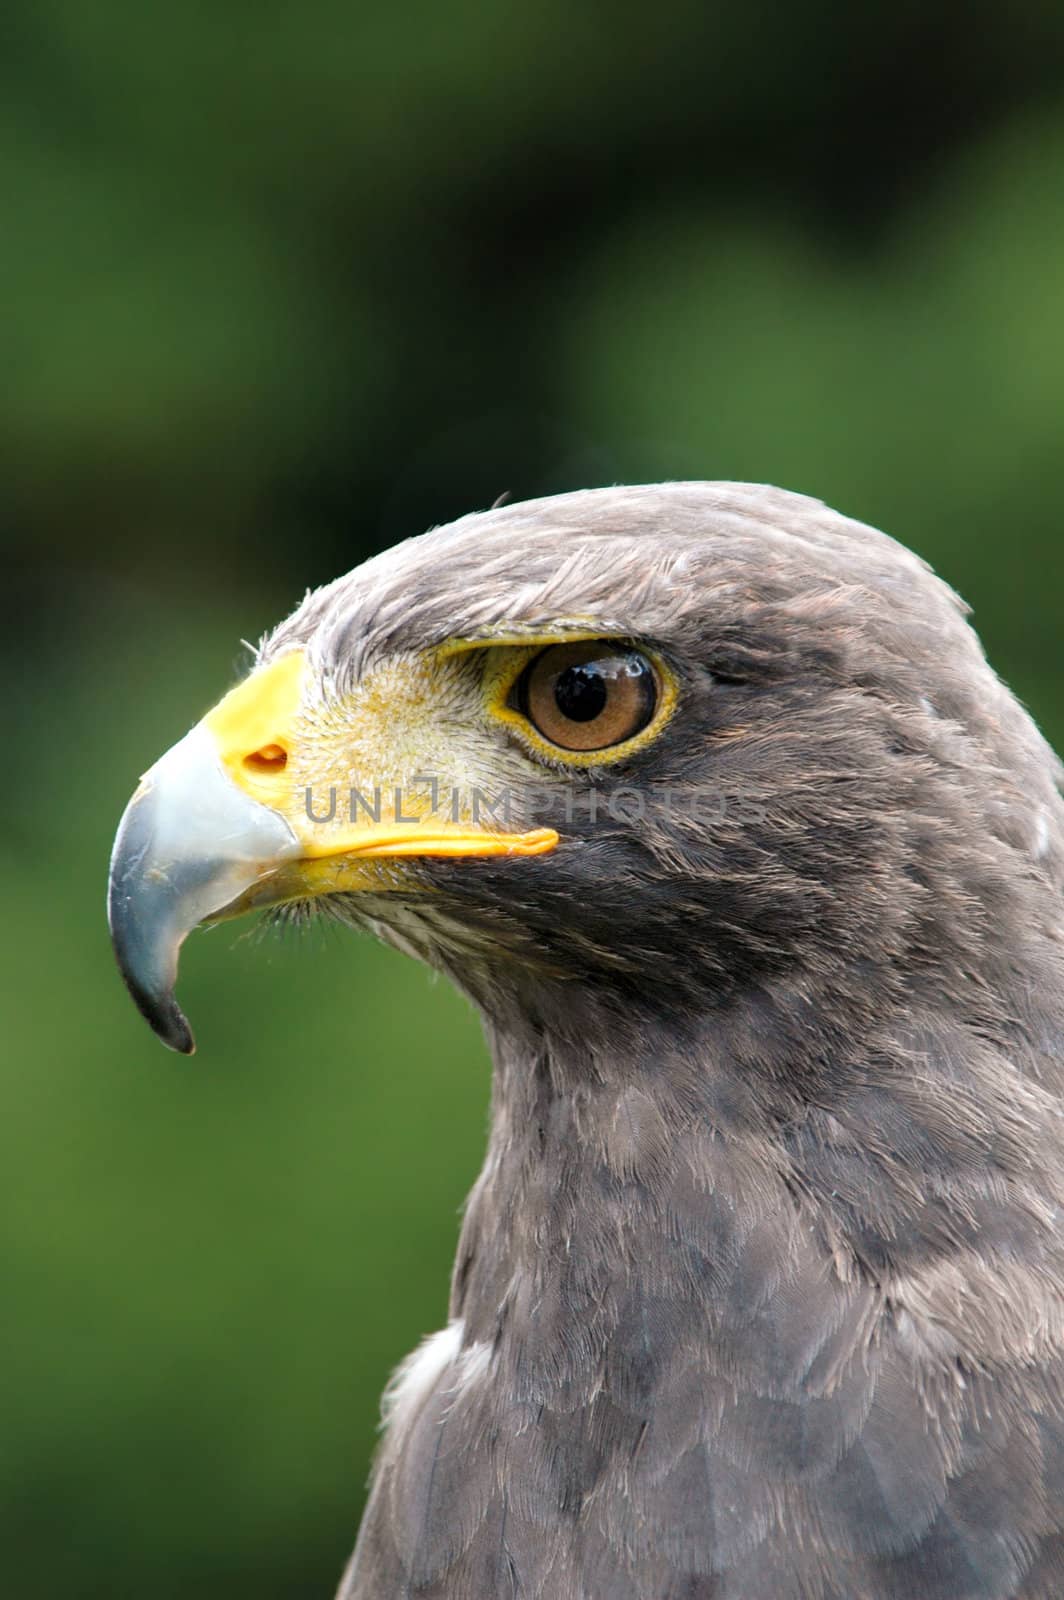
(646, 746)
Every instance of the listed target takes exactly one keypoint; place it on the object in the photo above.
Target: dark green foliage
(279, 285)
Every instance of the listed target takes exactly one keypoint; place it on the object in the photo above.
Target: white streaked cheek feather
(416, 1377)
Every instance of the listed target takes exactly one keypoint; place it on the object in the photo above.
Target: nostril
(270, 758)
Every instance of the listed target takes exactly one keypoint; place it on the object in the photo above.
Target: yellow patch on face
(252, 724)
(400, 767)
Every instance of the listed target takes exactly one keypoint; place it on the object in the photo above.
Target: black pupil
(581, 692)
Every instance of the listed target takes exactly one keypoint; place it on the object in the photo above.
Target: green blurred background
(278, 286)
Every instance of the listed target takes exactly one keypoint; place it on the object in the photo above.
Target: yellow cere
(408, 742)
(253, 725)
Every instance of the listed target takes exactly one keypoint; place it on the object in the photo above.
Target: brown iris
(588, 695)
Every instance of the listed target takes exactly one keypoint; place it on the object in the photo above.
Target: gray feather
(761, 1293)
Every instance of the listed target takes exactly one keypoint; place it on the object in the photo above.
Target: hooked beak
(189, 844)
(214, 830)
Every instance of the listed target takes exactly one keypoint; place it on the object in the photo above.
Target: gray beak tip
(166, 1019)
(189, 844)
(148, 988)
(178, 1035)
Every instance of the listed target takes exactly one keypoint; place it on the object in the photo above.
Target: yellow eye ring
(582, 702)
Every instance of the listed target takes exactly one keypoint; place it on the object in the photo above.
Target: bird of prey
(707, 797)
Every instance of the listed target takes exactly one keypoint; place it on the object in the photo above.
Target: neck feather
(666, 1177)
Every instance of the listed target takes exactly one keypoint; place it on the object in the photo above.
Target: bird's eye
(587, 695)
